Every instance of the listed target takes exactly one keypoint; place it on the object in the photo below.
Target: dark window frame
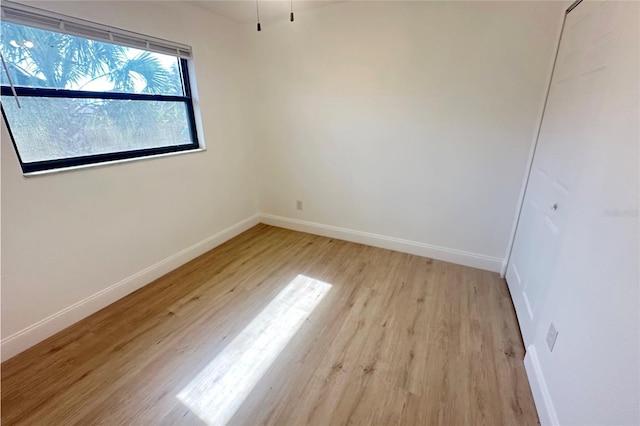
(40, 166)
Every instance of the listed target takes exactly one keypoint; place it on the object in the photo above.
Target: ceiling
(244, 11)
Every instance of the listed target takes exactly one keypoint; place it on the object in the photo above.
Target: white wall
(411, 120)
(68, 236)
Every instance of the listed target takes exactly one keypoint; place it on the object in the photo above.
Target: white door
(573, 102)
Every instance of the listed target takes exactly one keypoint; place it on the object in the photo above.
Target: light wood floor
(396, 339)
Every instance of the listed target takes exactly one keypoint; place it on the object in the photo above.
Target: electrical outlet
(299, 204)
(552, 335)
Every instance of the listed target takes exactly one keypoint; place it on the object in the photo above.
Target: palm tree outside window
(85, 101)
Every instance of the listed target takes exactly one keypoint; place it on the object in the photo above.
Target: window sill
(109, 163)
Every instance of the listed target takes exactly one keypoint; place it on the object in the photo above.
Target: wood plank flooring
(396, 339)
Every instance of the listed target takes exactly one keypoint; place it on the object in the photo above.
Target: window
(73, 100)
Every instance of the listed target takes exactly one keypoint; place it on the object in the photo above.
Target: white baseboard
(35, 333)
(473, 260)
(503, 269)
(41, 330)
(541, 396)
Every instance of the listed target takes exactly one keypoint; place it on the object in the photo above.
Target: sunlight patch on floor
(216, 392)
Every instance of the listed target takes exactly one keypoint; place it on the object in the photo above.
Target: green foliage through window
(83, 98)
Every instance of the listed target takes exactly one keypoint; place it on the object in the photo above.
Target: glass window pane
(54, 128)
(47, 59)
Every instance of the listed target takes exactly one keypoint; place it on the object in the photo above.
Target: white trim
(542, 398)
(460, 257)
(532, 152)
(110, 163)
(47, 327)
(503, 269)
(41, 330)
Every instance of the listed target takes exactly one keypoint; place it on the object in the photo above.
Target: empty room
(320, 212)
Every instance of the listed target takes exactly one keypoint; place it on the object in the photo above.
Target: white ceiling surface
(244, 11)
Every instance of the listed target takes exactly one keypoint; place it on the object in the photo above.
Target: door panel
(574, 100)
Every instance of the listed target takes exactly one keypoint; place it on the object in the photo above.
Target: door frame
(532, 151)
